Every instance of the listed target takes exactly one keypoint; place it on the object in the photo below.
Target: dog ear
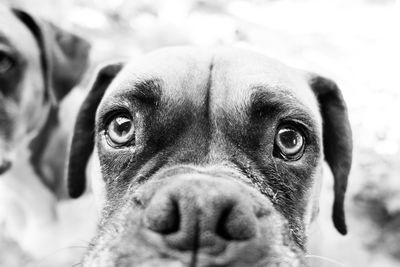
(64, 56)
(337, 141)
(83, 139)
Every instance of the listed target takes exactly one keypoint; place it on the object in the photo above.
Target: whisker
(325, 259)
(77, 264)
(85, 241)
(74, 247)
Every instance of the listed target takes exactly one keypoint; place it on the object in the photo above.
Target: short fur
(207, 136)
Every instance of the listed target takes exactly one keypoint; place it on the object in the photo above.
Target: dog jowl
(208, 158)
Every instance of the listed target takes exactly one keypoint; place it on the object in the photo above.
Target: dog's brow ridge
(148, 90)
(4, 40)
(265, 101)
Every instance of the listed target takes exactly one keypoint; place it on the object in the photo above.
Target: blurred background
(356, 43)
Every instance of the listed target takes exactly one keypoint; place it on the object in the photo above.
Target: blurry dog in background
(39, 65)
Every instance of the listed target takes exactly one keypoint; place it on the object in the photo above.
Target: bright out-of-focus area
(356, 43)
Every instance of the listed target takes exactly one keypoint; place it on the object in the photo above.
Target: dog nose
(201, 214)
(5, 165)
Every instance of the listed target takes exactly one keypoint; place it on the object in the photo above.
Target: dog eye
(6, 62)
(120, 130)
(289, 142)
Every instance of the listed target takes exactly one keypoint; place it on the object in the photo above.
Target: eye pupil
(120, 131)
(289, 138)
(122, 126)
(290, 143)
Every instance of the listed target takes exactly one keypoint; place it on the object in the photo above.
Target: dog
(39, 65)
(208, 157)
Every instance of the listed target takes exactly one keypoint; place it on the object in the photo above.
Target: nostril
(5, 165)
(221, 229)
(236, 223)
(162, 215)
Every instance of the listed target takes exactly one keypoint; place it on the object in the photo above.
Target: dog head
(208, 157)
(39, 64)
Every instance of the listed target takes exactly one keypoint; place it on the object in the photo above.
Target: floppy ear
(83, 136)
(337, 141)
(64, 56)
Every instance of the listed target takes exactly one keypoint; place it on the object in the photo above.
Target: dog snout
(201, 213)
(5, 165)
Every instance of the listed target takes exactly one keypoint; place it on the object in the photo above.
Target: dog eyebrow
(147, 90)
(277, 103)
(4, 40)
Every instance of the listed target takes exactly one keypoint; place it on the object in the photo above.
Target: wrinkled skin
(202, 183)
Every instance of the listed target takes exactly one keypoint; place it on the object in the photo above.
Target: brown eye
(120, 131)
(289, 142)
(6, 62)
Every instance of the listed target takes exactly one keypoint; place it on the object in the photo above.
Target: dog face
(208, 158)
(39, 65)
